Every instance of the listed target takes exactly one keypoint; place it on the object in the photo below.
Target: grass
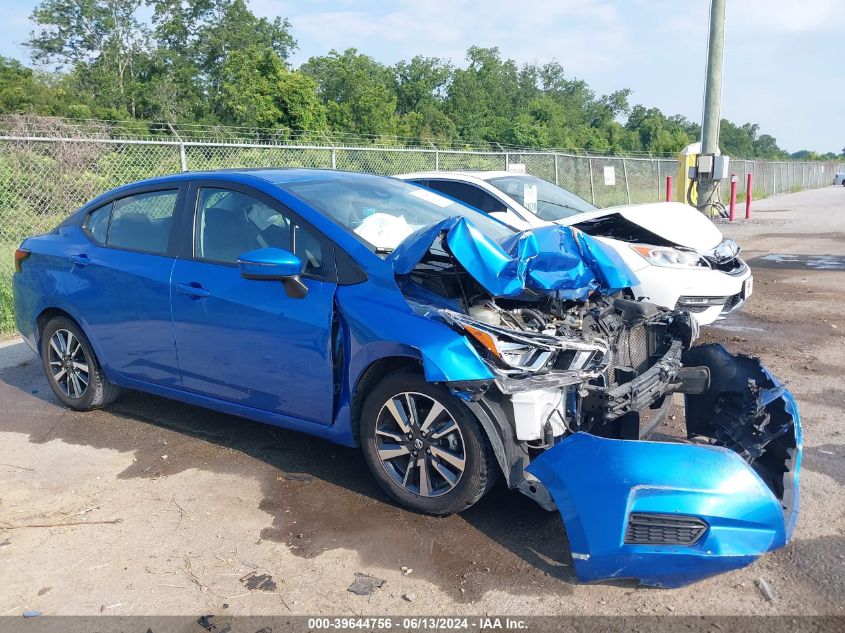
(7, 264)
(759, 194)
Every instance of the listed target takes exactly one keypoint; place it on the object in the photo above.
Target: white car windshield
(382, 212)
(544, 199)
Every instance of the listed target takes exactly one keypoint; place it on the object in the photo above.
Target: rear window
(97, 224)
(142, 222)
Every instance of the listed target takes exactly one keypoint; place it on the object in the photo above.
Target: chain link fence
(44, 179)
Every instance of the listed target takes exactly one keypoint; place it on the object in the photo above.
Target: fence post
(436, 159)
(732, 208)
(334, 158)
(182, 158)
(625, 173)
(557, 180)
(657, 173)
(507, 161)
(592, 186)
(749, 192)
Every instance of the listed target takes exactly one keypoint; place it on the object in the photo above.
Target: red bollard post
(748, 190)
(668, 188)
(733, 198)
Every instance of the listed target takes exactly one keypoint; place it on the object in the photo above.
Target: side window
(309, 249)
(97, 223)
(142, 222)
(468, 194)
(229, 223)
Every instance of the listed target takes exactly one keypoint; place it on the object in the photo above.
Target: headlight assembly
(528, 351)
(669, 257)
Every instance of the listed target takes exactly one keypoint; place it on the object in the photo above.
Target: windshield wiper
(383, 250)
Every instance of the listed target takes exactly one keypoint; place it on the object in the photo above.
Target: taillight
(21, 255)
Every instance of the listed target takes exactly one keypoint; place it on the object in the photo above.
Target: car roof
(274, 175)
(481, 175)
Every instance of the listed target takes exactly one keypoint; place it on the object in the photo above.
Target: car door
(122, 283)
(245, 340)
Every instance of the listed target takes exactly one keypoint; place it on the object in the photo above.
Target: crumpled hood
(552, 259)
(675, 222)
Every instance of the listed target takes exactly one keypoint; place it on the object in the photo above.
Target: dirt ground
(154, 507)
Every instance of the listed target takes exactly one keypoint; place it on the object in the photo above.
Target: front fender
(379, 327)
(597, 483)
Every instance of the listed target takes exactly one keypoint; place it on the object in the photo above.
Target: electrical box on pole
(710, 166)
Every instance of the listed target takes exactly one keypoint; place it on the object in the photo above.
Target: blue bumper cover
(597, 483)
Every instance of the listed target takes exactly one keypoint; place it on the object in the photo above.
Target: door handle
(80, 260)
(193, 290)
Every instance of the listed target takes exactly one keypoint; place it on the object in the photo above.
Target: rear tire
(72, 368)
(424, 447)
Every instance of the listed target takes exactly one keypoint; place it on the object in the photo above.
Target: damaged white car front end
(680, 257)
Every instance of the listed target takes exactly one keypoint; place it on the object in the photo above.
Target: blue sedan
(452, 349)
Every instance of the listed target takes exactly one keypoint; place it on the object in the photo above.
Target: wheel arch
(488, 413)
(48, 314)
(372, 375)
(51, 312)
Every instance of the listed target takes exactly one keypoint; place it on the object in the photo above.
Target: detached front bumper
(668, 514)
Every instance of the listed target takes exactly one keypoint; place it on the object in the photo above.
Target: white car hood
(673, 221)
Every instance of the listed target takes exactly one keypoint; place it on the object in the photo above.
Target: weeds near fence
(7, 315)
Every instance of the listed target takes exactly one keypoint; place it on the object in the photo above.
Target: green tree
(230, 26)
(656, 133)
(481, 96)
(357, 92)
(765, 146)
(257, 90)
(175, 90)
(420, 82)
(21, 90)
(101, 40)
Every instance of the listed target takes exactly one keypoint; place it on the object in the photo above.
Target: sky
(784, 59)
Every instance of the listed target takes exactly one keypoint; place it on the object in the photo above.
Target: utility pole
(712, 101)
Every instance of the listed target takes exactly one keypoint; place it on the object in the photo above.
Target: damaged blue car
(453, 350)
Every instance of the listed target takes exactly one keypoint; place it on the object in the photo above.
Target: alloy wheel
(420, 444)
(69, 366)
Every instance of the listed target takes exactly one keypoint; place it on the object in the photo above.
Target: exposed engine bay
(564, 365)
(581, 375)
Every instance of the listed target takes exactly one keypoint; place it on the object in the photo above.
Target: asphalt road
(154, 507)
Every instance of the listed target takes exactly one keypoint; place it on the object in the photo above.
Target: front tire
(424, 447)
(72, 368)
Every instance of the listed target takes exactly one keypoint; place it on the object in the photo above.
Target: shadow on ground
(321, 496)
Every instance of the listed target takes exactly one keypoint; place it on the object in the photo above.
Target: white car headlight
(669, 257)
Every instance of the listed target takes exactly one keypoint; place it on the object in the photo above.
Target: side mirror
(274, 264)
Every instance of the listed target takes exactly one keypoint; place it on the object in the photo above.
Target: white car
(680, 258)
(839, 179)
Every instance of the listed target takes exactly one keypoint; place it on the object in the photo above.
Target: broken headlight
(669, 257)
(528, 351)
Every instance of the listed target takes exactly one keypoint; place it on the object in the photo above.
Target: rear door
(244, 340)
(122, 283)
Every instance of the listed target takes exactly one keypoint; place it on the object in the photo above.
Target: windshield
(382, 212)
(544, 199)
